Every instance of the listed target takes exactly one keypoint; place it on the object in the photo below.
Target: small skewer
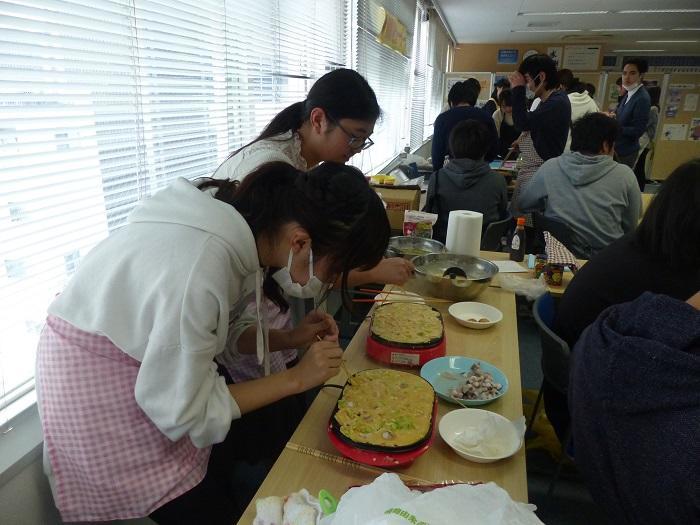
(342, 361)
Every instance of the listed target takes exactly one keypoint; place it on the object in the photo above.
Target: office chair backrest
(561, 231)
(491, 240)
(555, 351)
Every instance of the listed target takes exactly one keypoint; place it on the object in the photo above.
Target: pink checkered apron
(244, 367)
(108, 458)
(531, 162)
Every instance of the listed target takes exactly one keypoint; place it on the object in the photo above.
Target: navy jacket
(448, 120)
(548, 124)
(632, 119)
(634, 396)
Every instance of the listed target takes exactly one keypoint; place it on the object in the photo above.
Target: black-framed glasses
(357, 143)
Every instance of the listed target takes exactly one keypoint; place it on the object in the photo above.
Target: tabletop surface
(310, 461)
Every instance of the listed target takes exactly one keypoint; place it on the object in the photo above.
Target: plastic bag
(530, 288)
(419, 223)
(387, 501)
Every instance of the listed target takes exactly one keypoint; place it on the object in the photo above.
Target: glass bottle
(517, 242)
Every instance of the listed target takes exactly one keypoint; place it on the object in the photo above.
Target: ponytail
(289, 119)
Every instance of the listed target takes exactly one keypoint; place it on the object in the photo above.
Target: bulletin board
(485, 79)
(678, 135)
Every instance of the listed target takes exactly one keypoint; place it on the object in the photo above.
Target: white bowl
(505, 441)
(463, 312)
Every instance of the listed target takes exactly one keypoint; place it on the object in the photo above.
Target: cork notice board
(678, 135)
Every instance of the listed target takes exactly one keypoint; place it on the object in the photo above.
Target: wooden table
(296, 468)
(554, 290)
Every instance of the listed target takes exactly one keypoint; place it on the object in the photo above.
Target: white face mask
(313, 287)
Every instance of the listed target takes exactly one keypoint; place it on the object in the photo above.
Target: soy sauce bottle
(517, 243)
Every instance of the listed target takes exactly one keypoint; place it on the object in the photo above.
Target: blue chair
(555, 365)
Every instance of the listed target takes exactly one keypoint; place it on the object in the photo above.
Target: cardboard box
(398, 199)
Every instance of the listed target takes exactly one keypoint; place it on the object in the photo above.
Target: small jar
(553, 274)
(540, 262)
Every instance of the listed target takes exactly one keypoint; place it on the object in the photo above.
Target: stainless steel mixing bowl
(429, 280)
(410, 247)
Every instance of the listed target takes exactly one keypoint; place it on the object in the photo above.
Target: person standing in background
(632, 112)
(462, 100)
(544, 131)
(503, 119)
(493, 103)
(581, 105)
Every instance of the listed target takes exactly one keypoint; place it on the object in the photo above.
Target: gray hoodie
(466, 184)
(595, 196)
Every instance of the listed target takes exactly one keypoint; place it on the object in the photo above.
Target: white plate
(456, 422)
(463, 312)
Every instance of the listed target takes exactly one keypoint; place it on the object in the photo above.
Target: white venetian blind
(389, 74)
(102, 102)
(439, 46)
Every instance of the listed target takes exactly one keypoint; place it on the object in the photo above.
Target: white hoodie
(161, 289)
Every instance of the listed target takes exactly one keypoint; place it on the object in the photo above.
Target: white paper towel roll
(464, 232)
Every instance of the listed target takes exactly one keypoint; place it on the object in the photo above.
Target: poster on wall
(674, 132)
(507, 56)
(673, 101)
(485, 80)
(690, 103)
(694, 129)
(555, 54)
(393, 33)
(582, 58)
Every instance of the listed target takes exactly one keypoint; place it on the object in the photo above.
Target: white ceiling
(499, 21)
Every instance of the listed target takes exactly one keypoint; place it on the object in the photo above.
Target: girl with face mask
(136, 418)
(544, 130)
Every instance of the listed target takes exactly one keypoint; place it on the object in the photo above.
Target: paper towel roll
(464, 232)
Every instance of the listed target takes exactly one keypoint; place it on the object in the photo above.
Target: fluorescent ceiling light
(632, 11)
(545, 30)
(561, 13)
(627, 29)
(666, 41)
(686, 29)
(637, 50)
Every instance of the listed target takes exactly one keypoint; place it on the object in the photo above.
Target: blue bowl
(445, 373)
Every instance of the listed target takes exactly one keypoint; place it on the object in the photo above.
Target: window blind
(388, 72)
(438, 60)
(103, 102)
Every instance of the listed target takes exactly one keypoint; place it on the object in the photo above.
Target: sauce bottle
(517, 243)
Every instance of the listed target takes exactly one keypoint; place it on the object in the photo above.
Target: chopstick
(349, 462)
(418, 300)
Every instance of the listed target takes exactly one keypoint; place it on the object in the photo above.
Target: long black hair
(342, 93)
(343, 216)
(670, 229)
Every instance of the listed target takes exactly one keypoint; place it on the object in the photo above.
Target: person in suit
(632, 112)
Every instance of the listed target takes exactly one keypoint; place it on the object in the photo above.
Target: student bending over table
(135, 417)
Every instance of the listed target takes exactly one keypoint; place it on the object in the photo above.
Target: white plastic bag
(530, 288)
(387, 501)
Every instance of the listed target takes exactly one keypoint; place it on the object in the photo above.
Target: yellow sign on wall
(393, 33)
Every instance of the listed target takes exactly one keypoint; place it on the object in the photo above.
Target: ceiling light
(667, 41)
(562, 13)
(545, 30)
(632, 11)
(627, 29)
(637, 50)
(686, 29)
